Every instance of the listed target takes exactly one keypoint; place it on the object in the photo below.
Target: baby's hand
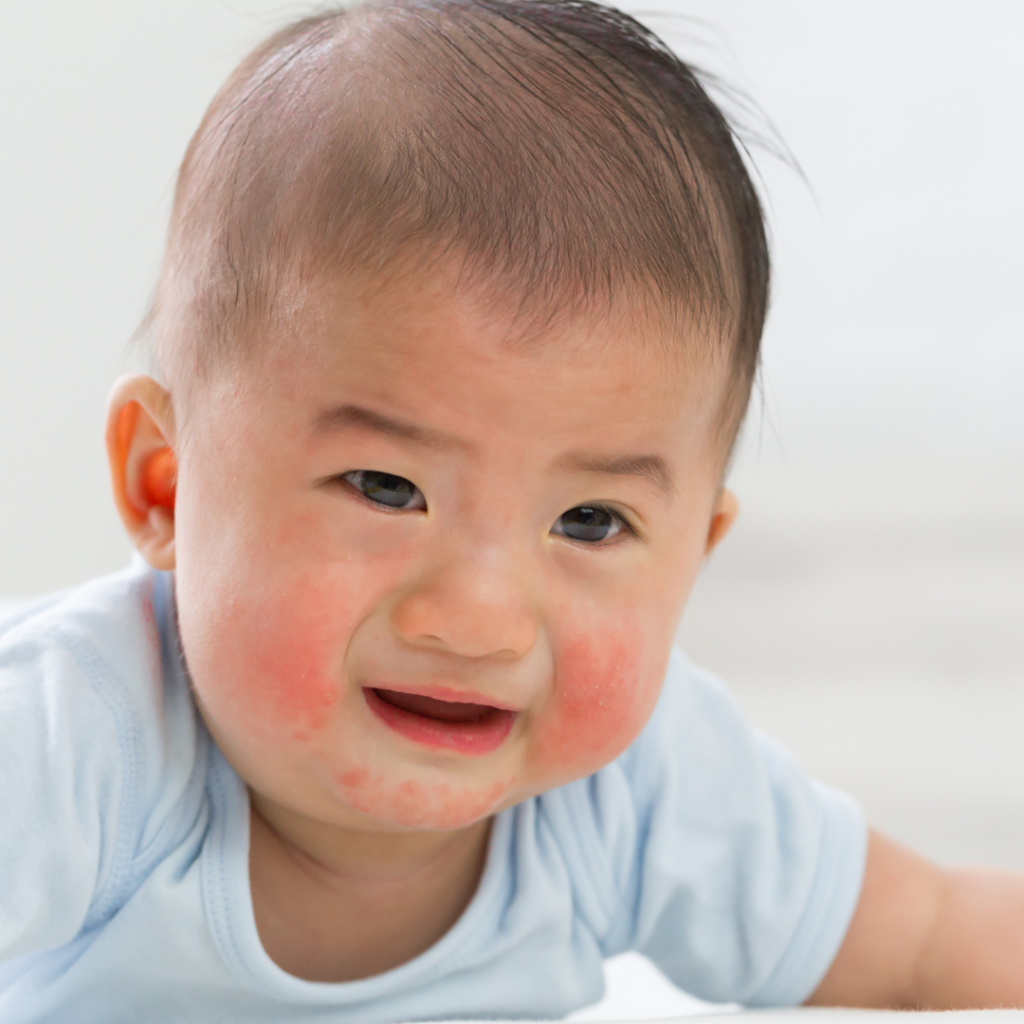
(928, 937)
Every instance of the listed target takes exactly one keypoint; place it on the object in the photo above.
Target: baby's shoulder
(92, 686)
(109, 636)
(98, 728)
(113, 618)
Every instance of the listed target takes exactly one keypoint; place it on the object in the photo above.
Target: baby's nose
(477, 606)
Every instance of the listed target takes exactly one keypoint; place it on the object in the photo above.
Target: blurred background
(869, 608)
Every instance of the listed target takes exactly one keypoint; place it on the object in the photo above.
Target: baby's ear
(143, 468)
(726, 509)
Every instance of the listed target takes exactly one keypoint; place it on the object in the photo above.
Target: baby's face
(427, 568)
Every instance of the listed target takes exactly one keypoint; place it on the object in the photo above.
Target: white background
(870, 606)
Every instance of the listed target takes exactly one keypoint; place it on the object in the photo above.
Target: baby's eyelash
(385, 490)
(620, 517)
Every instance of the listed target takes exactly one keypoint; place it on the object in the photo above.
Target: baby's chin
(418, 804)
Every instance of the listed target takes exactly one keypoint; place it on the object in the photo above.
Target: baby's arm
(929, 937)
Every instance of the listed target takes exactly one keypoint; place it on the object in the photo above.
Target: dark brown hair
(556, 147)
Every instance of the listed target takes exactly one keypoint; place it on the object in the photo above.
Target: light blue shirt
(124, 837)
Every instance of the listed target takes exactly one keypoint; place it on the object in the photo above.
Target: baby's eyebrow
(343, 416)
(650, 467)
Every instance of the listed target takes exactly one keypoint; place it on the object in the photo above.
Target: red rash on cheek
(600, 704)
(288, 684)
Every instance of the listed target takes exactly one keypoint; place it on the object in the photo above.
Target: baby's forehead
(410, 307)
(426, 348)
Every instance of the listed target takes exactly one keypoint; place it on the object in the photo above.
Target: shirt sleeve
(60, 790)
(745, 873)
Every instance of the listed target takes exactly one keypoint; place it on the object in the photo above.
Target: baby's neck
(336, 904)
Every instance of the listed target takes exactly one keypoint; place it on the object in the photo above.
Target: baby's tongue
(430, 707)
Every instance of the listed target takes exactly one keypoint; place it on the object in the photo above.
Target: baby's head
(457, 323)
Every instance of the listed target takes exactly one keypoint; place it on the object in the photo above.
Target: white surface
(814, 1015)
(637, 990)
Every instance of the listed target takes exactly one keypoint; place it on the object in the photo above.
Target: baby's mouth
(431, 707)
(462, 726)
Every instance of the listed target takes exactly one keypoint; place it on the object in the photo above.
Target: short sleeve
(745, 873)
(59, 794)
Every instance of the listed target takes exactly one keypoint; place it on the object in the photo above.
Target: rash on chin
(418, 804)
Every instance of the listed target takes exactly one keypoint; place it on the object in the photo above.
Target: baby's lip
(462, 725)
(444, 694)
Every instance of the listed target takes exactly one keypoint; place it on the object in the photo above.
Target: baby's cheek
(297, 687)
(602, 698)
(283, 667)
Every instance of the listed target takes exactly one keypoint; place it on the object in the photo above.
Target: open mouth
(453, 725)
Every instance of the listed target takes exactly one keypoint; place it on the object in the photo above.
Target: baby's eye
(590, 524)
(386, 489)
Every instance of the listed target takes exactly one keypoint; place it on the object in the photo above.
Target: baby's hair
(556, 148)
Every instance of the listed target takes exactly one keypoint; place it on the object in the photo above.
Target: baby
(456, 327)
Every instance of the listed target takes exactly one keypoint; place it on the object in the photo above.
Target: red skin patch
(601, 695)
(296, 686)
(417, 804)
(600, 703)
(286, 683)
(290, 695)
